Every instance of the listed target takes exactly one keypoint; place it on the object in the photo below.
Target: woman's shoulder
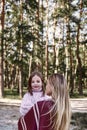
(49, 100)
(46, 102)
(45, 105)
(46, 97)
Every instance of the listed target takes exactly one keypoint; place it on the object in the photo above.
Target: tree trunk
(42, 17)
(36, 62)
(1, 53)
(30, 62)
(80, 89)
(71, 84)
(21, 53)
(46, 48)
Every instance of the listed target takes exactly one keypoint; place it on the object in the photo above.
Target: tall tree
(46, 46)
(1, 47)
(79, 67)
(21, 51)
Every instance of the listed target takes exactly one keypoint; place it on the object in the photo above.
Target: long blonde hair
(61, 107)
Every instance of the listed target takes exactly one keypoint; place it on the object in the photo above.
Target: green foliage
(8, 93)
(76, 94)
(25, 37)
(13, 94)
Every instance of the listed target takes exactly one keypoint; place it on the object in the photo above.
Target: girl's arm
(25, 104)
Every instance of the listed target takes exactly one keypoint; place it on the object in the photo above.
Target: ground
(9, 114)
(9, 117)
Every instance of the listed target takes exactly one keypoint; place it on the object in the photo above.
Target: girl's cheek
(40, 84)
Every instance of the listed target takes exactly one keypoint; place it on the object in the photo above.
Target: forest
(45, 35)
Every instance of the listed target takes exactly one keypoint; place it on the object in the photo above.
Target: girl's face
(36, 83)
(48, 88)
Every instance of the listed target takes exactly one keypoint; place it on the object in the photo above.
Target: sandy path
(9, 117)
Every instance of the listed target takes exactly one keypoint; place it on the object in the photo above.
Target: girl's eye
(38, 81)
(32, 81)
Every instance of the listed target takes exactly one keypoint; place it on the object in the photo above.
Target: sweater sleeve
(45, 118)
(25, 104)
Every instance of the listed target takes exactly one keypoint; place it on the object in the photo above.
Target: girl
(51, 114)
(35, 92)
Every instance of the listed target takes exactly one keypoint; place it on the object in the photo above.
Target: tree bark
(80, 88)
(21, 54)
(46, 47)
(1, 49)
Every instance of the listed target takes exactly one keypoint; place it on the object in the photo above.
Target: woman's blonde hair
(61, 107)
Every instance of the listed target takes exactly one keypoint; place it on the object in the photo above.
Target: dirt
(9, 117)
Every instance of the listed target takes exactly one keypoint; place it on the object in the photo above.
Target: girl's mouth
(35, 86)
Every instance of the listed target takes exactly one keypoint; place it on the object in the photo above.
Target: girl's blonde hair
(61, 107)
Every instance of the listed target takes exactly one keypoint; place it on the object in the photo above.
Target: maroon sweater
(28, 122)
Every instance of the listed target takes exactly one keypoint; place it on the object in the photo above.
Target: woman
(51, 114)
(57, 86)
